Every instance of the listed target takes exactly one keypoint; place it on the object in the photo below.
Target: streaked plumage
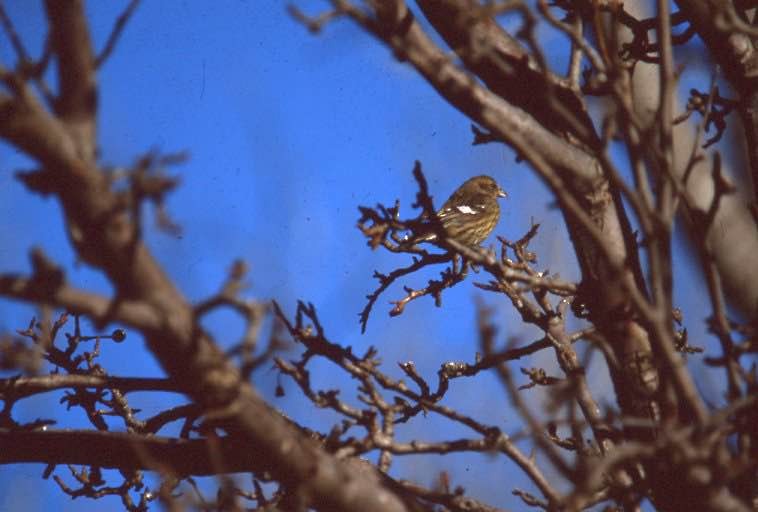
(471, 212)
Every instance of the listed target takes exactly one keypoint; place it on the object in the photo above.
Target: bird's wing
(463, 210)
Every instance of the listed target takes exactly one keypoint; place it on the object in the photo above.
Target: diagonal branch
(118, 28)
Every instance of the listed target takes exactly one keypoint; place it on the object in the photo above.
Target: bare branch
(118, 28)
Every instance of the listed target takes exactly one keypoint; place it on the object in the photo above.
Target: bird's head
(483, 186)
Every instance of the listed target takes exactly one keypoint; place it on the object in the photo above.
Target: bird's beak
(501, 193)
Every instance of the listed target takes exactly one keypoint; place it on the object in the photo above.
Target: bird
(470, 213)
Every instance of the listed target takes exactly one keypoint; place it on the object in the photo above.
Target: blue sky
(287, 134)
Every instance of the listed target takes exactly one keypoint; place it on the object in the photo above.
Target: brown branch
(118, 28)
(506, 67)
(448, 278)
(10, 30)
(123, 451)
(100, 309)
(385, 280)
(77, 98)
(732, 44)
(19, 387)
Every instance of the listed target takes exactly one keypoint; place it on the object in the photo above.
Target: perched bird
(470, 213)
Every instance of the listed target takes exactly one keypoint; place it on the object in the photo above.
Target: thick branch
(23, 386)
(129, 452)
(507, 69)
(77, 99)
(96, 307)
(735, 52)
